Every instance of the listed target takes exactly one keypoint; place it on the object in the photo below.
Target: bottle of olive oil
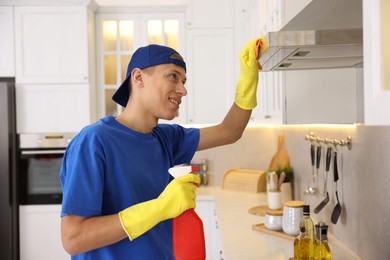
(303, 246)
(308, 223)
(322, 249)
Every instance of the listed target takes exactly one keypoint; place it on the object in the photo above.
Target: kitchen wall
(364, 177)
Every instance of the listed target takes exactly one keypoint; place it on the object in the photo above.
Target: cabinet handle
(267, 116)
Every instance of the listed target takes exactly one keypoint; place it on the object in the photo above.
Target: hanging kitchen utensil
(327, 166)
(337, 209)
(312, 157)
(318, 162)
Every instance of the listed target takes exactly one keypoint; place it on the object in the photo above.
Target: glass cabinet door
(118, 37)
(164, 32)
(116, 49)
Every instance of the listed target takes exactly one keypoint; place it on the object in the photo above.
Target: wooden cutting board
(281, 159)
(244, 180)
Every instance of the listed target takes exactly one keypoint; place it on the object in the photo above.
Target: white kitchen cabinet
(305, 96)
(271, 92)
(323, 96)
(271, 108)
(205, 208)
(51, 44)
(210, 69)
(7, 63)
(119, 33)
(46, 108)
(251, 22)
(210, 60)
(55, 75)
(270, 99)
(206, 13)
(376, 19)
(40, 233)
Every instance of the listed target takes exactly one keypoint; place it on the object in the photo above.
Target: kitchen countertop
(240, 241)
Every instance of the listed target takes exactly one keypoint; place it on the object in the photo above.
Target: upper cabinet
(51, 44)
(55, 75)
(331, 96)
(376, 62)
(210, 60)
(120, 33)
(7, 64)
(206, 13)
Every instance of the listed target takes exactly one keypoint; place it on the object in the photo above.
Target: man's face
(164, 89)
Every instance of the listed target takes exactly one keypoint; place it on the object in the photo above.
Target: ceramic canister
(273, 219)
(292, 216)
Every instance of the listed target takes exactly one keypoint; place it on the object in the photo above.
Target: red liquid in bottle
(188, 237)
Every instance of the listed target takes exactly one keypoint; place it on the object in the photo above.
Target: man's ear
(137, 76)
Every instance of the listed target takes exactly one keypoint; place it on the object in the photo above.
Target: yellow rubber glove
(177, 197)
(249, 76)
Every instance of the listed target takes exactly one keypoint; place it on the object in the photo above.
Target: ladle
(326, 200)
(315, 158)
(337, 209)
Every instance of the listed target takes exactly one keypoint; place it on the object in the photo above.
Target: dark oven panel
(39, 164)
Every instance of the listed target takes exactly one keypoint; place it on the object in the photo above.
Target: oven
(40, 158)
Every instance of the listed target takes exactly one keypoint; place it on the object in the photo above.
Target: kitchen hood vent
(317, 38)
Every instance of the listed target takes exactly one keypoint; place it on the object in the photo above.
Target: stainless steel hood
(325, 34)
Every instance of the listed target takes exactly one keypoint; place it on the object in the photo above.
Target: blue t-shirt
(108, 167)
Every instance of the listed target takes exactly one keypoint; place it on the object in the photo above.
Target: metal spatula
(326, 200)
(337, 209)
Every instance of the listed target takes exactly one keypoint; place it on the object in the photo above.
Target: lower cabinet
(40, 233)
(205, 208)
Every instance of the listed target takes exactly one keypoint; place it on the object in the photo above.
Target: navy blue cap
(144, 57)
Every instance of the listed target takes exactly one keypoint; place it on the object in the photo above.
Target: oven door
(39, 175)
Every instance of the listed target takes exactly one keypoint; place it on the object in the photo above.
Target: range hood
(325, 34)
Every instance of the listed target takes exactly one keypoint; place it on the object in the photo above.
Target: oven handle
(44, 152)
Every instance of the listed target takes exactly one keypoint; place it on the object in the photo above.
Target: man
(114, 174)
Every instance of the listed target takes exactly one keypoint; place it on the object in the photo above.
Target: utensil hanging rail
(347, 142)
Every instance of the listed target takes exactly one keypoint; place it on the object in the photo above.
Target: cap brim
(121, 96)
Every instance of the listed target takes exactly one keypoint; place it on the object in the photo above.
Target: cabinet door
(376, 18)
(205, 208)
(118, 36)
(6, 42)
(317, 96)
(51, 44)
(40, 233)
(270, 99)
(210, 69)
(52, 108)
(210, 14)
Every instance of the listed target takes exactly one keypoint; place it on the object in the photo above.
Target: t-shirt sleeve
(82, 176)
